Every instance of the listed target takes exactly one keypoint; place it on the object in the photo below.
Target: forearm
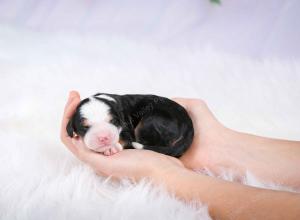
(219, 148)
(270, 159)
(228, 200)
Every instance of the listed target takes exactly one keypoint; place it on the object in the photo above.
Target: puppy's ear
(70, 129)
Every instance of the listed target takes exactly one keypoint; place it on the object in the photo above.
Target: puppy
(108, 123)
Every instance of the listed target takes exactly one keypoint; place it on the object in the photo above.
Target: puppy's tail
(171, 151)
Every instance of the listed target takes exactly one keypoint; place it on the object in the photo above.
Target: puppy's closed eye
(84, 124)
(114, 121)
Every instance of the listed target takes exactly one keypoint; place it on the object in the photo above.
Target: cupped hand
(209, 136)
(131, 163)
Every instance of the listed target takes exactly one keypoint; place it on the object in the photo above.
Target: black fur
(162, 125)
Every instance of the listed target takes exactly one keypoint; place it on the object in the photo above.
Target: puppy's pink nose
(105, 139)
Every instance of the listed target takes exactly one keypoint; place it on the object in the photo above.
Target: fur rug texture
(39, 177)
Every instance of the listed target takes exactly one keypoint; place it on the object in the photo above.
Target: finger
(181, 101)
(71, 108)
(72, 95)
(79, 148)
(88, 156)
(193, 106)
(69, 111)
(177, 161)
(66, 119)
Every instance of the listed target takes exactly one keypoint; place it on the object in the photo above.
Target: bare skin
(217, 147)
(225, 200)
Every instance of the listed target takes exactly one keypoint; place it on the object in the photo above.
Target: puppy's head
(97, 121)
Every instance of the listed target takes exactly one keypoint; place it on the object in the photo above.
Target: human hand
(219, 148)
(134, 164)
(209, 136)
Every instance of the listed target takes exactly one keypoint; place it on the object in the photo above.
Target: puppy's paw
(119, 146)
(137, 145)
(110, 151)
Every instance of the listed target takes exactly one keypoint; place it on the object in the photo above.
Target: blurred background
(242, 57)
(253, 28)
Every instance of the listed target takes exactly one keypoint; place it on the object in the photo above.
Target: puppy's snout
(101, 136)
(104, 139)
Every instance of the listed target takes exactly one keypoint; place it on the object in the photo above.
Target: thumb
(88, 156)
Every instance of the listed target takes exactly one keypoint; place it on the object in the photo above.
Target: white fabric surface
(43, 56)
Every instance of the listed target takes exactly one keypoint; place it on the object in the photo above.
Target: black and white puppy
(109, 123)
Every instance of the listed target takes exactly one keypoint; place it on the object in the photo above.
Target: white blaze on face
(103, 96)
(102, 134)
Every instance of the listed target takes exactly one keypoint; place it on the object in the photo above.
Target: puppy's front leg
(113, 149)
(137, 145)
(126, 139)
(119, 146)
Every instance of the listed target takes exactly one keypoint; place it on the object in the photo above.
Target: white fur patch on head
(95, 111)
(103, 96)
(102, 135)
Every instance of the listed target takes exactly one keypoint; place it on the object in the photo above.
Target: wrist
(162, 175)
(224, 153)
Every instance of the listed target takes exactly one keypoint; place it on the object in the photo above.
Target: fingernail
(71, 96)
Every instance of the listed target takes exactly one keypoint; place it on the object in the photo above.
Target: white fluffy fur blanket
(40, 179)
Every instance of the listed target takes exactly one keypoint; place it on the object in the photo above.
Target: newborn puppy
(109, 123)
